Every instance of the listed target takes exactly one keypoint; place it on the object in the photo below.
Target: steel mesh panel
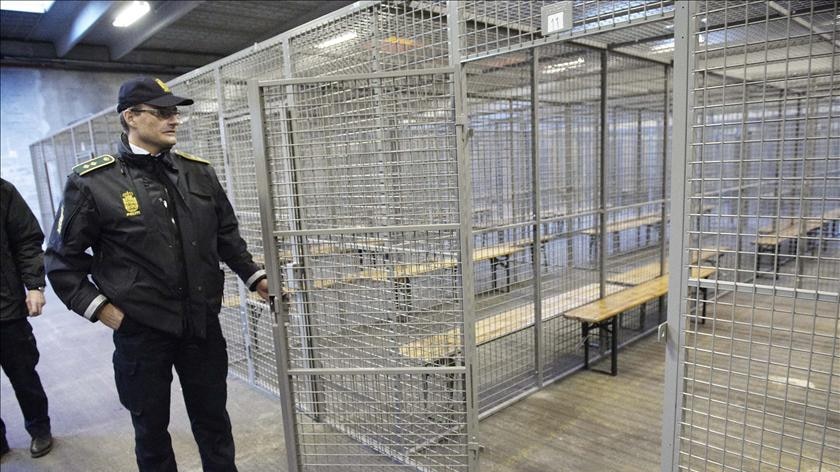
(384, 37)
(230, 319)
(399, 422)
(42, 185)
(261, 345)
(83, 142)
(498, 26)
(569, 153)
(340, 125)
(199, 130)
(106, 133)
(55, 176)
(636, 116)
(65, 155)
(265, 63)
(499, 104)
(760, 376)
(200, 134)
(361, 172)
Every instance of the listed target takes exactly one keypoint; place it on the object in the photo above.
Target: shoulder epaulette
(190, 157)
(93, 164)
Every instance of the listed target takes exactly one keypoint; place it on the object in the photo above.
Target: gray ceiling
(173, 38)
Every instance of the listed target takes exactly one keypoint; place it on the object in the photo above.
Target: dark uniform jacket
(20, 252)
(158, 227)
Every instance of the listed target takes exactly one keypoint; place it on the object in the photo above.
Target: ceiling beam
(88, 16)
(137, 34)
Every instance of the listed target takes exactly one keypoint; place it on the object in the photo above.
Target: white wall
(38, 102)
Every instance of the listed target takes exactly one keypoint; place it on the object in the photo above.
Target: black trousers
(143, 361)
(18, 358)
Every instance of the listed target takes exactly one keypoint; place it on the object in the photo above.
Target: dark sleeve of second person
(232, 248)
(26, 240)
(76, 228)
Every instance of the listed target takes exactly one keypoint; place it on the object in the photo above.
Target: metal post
(300, 250)
(255, 104)
(73, 144)
(639, 151)
(683, 99)
(92, 137)
(240, 287)
(536, 194)
(572, 173)
(602, 184)
(465, 234)
(663, 254)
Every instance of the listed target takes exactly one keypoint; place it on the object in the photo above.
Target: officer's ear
(127, 118)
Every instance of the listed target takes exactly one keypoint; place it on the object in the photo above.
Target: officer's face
(153, 128)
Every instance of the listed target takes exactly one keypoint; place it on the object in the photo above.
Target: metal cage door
(752, 369)
(361, 193)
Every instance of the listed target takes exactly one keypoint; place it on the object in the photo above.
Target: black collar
(163, 158)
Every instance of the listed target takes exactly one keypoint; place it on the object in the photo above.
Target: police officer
(158, 222)
(21, 295)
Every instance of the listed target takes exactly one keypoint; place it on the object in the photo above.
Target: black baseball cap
(150, 90)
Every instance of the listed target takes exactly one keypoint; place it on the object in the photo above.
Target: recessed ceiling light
(28, 7)
(131, 13)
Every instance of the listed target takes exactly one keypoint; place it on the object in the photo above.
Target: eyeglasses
(161, 113)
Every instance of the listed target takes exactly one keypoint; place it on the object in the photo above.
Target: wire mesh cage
(568, 87)
(363, 179)
(760, 375)
(567, 189)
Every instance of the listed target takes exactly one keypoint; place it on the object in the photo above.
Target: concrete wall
(38, 102)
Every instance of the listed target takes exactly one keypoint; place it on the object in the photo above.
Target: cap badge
(163, 86)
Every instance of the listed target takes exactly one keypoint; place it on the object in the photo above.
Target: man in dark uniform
(158, 222)
(22, 267)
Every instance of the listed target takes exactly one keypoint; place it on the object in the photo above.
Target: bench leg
(494, 263)
(616, 243)
(507, 271)
(660, 309)
(584, 327)
(703, 294)
(614, 347)
(642, 311)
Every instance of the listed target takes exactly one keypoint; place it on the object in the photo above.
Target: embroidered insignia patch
(132, 207)
(163, 86)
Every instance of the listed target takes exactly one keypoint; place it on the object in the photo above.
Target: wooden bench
(616, 227)
(604, 313)
(439, 348)
(790, 234)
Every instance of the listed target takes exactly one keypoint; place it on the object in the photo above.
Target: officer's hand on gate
(111, 316)
(35, 302)
(262, 289)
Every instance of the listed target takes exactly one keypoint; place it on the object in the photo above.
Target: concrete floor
(556, 429)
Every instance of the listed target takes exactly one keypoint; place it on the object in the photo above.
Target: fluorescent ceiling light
(563, 66)
(337, 40)
(28, 7)
(131, 13)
